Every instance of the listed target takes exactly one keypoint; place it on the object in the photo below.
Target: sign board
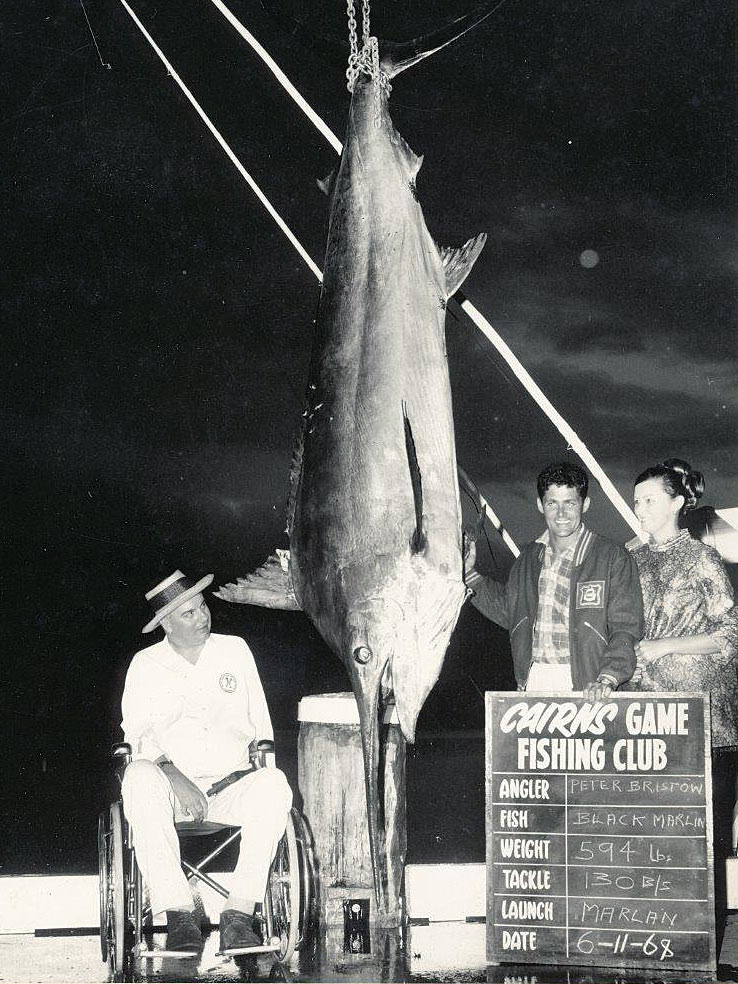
(599, 831)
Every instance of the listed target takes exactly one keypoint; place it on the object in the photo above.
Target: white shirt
(201, 716)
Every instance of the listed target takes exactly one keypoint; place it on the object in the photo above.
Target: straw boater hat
(171, 593)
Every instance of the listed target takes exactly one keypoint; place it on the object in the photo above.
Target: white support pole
(497, 523)
(490, 514)
(226, 147)
(573, 440)
(317, 121)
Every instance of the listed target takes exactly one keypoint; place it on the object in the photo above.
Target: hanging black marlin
(374, 518)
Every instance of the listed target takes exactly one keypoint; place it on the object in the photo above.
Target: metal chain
(366, 61)
(353, 63)
(365, 22)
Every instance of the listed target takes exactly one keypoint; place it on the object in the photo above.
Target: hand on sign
(598, 690)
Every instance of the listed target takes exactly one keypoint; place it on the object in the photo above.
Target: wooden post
(330, 766)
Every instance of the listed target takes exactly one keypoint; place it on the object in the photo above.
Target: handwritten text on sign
(599, 832)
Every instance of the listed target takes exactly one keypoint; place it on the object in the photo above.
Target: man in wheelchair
(193, 712)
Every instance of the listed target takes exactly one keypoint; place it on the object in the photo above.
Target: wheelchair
(124, 916)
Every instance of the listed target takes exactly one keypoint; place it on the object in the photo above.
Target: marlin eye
(362, 654)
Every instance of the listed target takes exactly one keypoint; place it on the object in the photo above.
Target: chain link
(365, 22)
(353, 63)
(366, 61)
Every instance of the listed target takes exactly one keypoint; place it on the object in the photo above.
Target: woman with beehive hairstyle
(690, 640)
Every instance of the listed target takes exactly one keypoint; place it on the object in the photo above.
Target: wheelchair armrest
(258, 751)
(121, 751)
(122, 754)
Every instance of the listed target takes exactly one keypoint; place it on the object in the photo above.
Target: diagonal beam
(227, 148)
(574, 441)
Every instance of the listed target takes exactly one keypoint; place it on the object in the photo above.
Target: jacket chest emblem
(590, 594)
(228, 683)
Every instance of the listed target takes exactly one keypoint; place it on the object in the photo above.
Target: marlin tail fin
(397, 56)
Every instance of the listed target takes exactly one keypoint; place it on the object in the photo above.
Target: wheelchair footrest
(238, 951)
(176, 954)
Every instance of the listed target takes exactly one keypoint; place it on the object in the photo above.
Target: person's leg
(149, 805)
(259, 803)
(724, 774)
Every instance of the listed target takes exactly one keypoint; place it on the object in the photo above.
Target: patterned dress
(686, 591)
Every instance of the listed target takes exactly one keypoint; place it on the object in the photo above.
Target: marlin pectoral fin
(458, 261)
(326, 184)
(270, 586)
(418, 539)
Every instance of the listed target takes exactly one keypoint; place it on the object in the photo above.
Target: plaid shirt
(551, 631)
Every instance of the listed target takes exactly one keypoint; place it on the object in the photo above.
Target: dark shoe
(238, 931)
(183, 933)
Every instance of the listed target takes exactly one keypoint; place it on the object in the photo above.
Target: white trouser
(258, 803)
(550, 676)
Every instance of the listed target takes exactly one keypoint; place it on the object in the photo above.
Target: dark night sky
(157, 323)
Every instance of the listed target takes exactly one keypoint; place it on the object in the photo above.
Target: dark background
(157, 329)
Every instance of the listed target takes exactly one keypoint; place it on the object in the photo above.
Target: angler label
(599, 831)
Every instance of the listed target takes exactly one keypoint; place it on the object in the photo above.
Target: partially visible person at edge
(690, 639)
(193, 712)
(572, 602)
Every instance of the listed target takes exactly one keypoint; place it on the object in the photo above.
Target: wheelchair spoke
(284, 893)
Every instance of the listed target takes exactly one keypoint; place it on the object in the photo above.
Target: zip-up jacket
(605, 609)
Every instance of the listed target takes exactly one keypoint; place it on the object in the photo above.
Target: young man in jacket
(572, 603)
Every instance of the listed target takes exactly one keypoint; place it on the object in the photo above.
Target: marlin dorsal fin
(459, 260)
(270, 586)
(413, 161)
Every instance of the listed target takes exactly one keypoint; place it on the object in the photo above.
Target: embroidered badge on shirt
(590, 594)
(228, 682)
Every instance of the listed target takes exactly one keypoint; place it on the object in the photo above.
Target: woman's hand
(649, 649)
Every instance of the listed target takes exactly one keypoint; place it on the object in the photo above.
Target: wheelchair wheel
(118, 933)
(103, 881)
(306, 878)
(283, 893)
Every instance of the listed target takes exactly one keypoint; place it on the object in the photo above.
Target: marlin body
(375, 554)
